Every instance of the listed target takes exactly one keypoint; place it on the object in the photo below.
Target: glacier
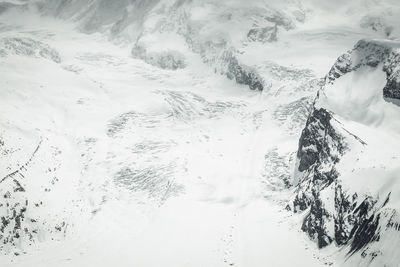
(199, 133)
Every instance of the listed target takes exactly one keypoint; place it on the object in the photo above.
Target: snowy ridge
(348, 156)
(167, 33)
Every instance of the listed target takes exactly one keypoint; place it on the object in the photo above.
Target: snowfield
(166, 133)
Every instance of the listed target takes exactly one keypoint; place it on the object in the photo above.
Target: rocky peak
(373, 53)
(331, 158)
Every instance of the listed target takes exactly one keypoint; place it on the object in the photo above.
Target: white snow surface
(194, 134)
(154, 167)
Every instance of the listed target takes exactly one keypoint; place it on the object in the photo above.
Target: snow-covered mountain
(348, 157)
(199, 133)
(231, 35)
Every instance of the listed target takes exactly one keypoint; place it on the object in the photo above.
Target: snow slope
(347, 170)
(140, 166)
(124, 144)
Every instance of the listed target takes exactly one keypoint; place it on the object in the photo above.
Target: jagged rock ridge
(330, 156)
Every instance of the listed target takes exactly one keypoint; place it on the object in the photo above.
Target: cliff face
(372, 54)
(347, 160)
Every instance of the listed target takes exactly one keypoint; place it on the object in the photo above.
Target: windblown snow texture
(199, 133)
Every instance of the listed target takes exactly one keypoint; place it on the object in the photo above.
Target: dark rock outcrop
(319, 145)
(171, 60)
(242, 74)
(316, 148)
(392, 70)
(338, 213)
(372, 54)
(320, 148)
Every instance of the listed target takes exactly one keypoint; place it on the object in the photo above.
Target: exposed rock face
(338, 211)
(340, 68)
(320, 148)
(171, 59)
(334, 215)
(392, 69)
(314, 147)
(242, 74)
(372, 54)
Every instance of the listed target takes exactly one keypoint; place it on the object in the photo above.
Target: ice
(148, 156)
